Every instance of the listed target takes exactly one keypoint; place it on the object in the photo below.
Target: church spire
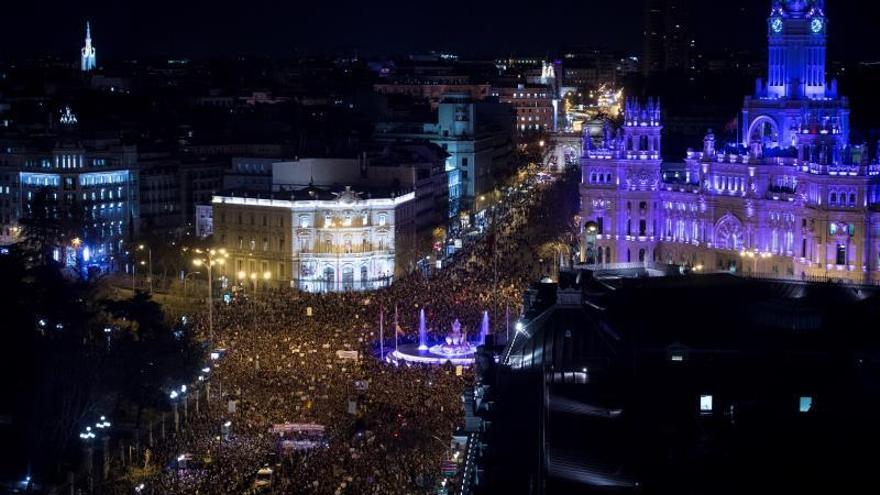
(87, 54)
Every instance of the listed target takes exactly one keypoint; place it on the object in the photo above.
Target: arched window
(852, 199)
(641, 255)
(628, 255)
(833, 199)
(348, 277)
(607, 255)
(329, 278)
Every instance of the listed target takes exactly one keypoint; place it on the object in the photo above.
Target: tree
(151, 354)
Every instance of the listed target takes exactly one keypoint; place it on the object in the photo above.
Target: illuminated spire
(87, 54)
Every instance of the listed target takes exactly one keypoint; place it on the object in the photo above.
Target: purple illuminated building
(794, 198)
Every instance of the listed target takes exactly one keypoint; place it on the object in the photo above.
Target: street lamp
(87, 436)
(212, 257)
(104, 426)
(254, 277)
(149, 250)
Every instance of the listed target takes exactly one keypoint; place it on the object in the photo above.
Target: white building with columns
(316, 239)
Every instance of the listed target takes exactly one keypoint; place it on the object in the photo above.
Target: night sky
(194, 28)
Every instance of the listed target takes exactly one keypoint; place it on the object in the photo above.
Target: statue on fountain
(455, 343)
(455, 339)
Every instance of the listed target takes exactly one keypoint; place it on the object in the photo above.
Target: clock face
(776, 25)
(816, 25)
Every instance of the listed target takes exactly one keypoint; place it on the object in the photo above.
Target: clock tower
(797, 44)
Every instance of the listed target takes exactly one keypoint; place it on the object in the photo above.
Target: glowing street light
(143, 247)
(212, 257)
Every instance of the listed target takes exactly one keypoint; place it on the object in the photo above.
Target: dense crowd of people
(386, 428)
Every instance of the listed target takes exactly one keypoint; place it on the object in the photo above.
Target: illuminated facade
(314, 239)
(101, 181)
(793, 199)
(87, 54)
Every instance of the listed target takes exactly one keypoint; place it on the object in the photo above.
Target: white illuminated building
(314, 239)
(87, 54)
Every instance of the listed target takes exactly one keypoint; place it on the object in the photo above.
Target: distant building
(87, 54)
(535, 106)
(667, 37)
(433, 91)
(589, 69)
(171, 190)
(477, 137)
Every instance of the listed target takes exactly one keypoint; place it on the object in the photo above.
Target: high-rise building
(667, 37)
(87, 54)
(792, 197)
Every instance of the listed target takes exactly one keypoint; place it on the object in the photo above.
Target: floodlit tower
(87, 57)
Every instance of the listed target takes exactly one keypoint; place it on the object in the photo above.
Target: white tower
(87, 58)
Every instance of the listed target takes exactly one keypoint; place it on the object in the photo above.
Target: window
(382, 219)
(706, 404)
(600, 222)
(841, 254)
(643, 205)
(805, 404)
(643, 228)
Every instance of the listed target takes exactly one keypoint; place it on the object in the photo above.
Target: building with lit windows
(97, 177)
(535, 106)
(316, 239)
(794, 198)
(477, 138)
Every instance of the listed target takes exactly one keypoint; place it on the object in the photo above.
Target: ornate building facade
(316, 239)
(794, 198)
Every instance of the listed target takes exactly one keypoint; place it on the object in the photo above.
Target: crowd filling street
(386, 428)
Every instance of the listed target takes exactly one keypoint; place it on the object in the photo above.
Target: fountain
(454, 348)
(423, 345)
(484, 328)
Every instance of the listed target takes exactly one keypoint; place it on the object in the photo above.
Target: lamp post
(254, 277)
(149, 250)
(212, 257)
(755, 255)
(173, 396)
(104, 427)
(88, 436)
